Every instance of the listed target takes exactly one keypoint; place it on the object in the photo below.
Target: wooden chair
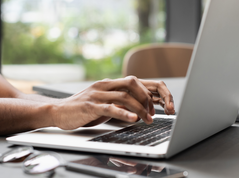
(158, 60)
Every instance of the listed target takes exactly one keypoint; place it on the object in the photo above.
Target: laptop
(209, 104)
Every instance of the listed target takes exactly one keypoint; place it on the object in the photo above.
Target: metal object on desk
(34, 162)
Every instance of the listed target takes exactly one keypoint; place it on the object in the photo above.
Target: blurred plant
(109, 67)
(29, 43)
(33, 47)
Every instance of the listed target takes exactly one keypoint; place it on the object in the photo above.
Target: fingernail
(152, 112)
(172, 108)
(138, 119)
(149, 118)
(172, 104)
(133, 116)
(165, 110)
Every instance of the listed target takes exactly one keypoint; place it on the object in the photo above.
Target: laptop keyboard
(140, 133)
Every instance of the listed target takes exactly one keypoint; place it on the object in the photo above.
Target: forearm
(8, 91)
(18, 115)
(37, 98)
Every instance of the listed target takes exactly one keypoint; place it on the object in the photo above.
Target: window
(88, 36)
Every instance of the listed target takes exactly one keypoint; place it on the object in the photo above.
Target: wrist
(55, 113)
(47, 113)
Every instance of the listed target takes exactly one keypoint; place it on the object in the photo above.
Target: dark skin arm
(127, 99)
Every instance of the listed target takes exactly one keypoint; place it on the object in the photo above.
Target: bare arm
(8, 91)
(18, 115)
(22, 112)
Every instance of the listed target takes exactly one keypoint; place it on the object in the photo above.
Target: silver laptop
(209, 104)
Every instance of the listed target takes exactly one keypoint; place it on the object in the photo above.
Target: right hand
(126, 99)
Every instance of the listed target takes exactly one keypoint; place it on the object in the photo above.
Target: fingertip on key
(149, 119)
(133, 117)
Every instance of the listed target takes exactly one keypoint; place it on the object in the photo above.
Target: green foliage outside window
(33, 47)
(28, 43)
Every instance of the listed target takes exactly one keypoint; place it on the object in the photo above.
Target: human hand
(161, 95)
(128, 99)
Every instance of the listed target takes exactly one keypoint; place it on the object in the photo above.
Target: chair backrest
(158, 60)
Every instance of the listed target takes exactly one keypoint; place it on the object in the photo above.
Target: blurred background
(48, 41)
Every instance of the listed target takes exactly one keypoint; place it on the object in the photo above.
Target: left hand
(161, 95)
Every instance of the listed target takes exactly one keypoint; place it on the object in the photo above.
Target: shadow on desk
(217, 156)
(223, 145)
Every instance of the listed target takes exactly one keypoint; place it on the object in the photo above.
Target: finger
(138, 91)
(159, 101)
(164, 93)
(167, 98)
(110, 110)
(126, 100)
(131, 85)
(97, 121)
(149, 95)
(155, 94)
